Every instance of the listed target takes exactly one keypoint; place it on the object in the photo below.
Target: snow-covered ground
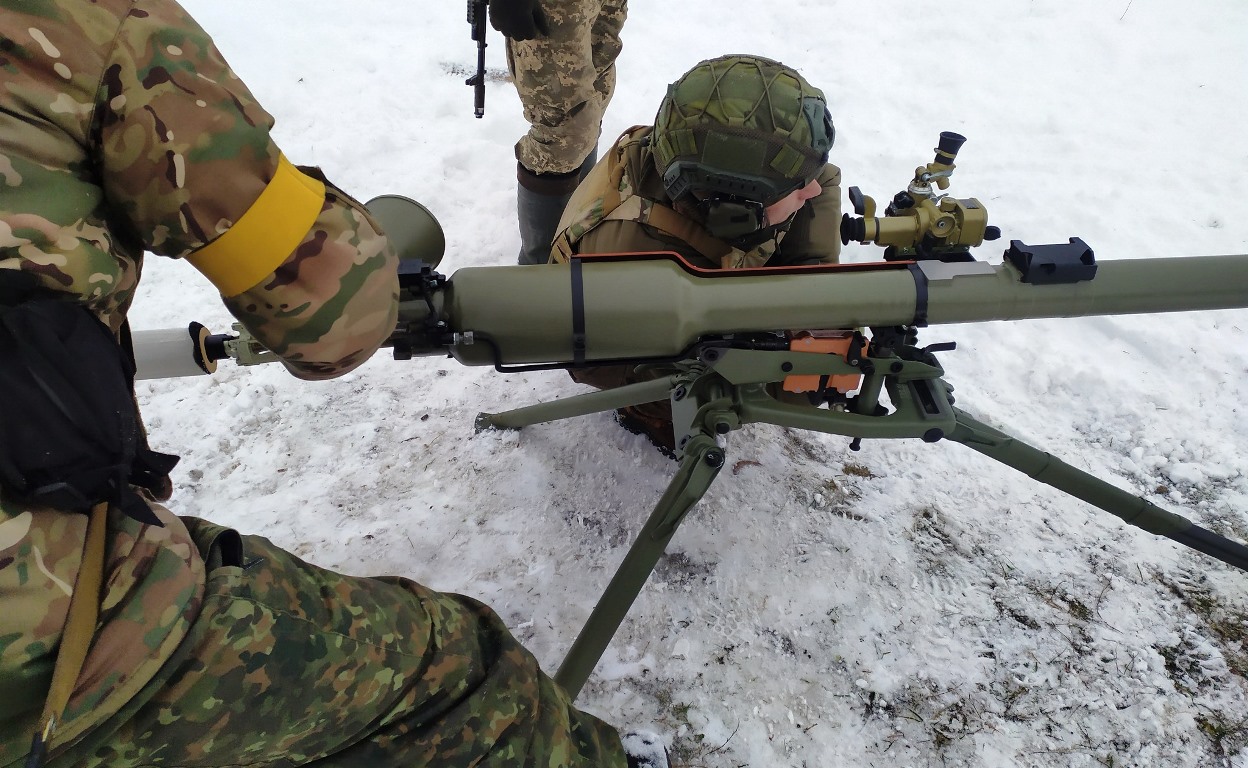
(906, 605)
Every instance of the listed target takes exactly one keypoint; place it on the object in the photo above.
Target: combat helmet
(738, 133)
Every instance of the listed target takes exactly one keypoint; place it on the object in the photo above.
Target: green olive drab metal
(648, 307)
(651, 308)
(411, 227)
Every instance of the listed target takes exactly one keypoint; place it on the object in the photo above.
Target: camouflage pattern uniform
(122, 130)
(565, 81)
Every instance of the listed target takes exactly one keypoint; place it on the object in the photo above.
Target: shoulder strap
(671, 223)
(599, 192)
(84, 611)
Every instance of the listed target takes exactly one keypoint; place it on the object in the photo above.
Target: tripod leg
(578, 405)
(1050, 470)
(699, 466)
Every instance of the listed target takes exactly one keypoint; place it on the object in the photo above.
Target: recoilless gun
(731, 340)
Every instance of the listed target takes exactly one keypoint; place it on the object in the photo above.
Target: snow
(906, 605)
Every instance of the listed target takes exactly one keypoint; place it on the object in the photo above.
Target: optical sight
(920, 223)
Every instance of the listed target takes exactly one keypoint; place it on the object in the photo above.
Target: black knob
(901, 201)
(856, 200)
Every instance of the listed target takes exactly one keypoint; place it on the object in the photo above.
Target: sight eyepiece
(948, 146)
(853, 229)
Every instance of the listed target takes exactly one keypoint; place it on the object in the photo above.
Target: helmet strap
(730, 217)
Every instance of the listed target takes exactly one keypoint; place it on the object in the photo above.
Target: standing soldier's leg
(606, 45)
(565, 83)
(290, 664)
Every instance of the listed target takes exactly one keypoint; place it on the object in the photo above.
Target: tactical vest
(610, 192)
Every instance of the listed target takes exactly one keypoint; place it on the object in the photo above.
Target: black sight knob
(902, 201)
(857, 201)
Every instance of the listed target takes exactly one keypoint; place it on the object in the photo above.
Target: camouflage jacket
(123, 131)
(621, 206)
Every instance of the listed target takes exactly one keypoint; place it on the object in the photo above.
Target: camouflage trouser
(565, 81)
(290, 664)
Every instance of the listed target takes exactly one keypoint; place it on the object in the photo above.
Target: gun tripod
(725, 387)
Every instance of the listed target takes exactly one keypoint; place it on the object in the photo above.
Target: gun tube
(647, 308)
(173, 352)
(653, 308)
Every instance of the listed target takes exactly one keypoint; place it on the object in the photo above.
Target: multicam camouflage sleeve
(187, 154)
(122, 130)
(329, 306)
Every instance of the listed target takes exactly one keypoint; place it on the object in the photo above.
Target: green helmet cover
(741, 126)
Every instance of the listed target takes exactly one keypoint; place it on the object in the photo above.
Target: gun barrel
(1123, 287)
(174, 352)
(649, 306)
(639, 307)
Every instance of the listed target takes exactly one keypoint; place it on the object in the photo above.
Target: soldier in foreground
(123, 130)
(734, 173)
(561, 54)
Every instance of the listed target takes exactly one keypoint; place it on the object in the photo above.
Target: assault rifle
(477, 15)
(735, 339)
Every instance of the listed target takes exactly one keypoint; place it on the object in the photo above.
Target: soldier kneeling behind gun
(734, 173)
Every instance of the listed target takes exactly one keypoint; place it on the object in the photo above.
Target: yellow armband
(265, 235)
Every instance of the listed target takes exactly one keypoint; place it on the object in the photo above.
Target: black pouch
(70, 435)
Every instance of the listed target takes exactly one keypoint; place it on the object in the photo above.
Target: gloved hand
(519, 19)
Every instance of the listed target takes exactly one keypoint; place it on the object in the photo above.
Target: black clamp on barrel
(1053, 264)
(578, 312)
(419, 280)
